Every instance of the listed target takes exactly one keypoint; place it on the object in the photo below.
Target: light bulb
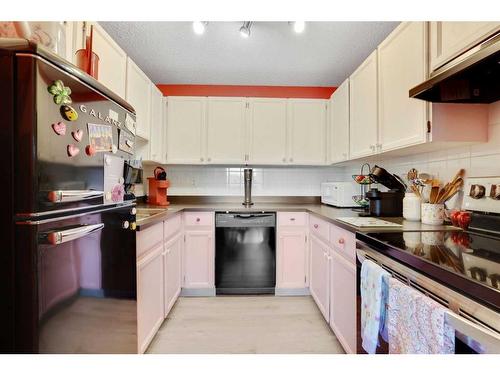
(245, 29)
(199, 27)
(299, 26)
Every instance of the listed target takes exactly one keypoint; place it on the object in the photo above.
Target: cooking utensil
(434, 194)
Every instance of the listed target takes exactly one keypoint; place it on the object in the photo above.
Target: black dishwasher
(245, 253)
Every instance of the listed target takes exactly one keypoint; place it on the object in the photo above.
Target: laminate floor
(245, 324)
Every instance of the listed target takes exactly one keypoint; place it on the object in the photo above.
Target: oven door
(472, 336)
(76, 280)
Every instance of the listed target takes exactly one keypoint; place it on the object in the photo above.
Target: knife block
(157, 194)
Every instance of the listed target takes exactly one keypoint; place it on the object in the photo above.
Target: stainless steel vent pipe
(248, 187)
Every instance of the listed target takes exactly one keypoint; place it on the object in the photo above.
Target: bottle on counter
(411, 207)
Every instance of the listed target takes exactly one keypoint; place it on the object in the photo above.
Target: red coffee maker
(158, 186)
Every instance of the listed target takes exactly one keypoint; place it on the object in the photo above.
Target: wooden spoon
(434, 194)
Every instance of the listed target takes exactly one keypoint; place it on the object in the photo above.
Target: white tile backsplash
(267, 181)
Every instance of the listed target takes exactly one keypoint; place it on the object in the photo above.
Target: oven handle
(59, 237)
(488, 339)
(62, 196)
(250, 216)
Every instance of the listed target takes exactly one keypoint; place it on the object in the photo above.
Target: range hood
(473, 77)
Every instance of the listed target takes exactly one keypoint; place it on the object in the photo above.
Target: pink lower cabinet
(319, 280)
(292, 254)
(149, 295)
(343, 300)
(172, 266)
(199, 256)
(291, 262)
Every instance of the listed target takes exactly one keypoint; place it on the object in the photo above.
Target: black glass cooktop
(466, 261)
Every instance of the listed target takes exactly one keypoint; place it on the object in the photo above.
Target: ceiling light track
(199, 27)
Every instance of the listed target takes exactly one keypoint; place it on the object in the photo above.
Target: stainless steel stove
(451, 263)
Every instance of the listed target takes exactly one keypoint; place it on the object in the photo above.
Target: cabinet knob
(197, 219)
(209, 159)
(291, 159)
(316, 226)
(341, 241)
(201, 159)
(284, 160)
(292, 219)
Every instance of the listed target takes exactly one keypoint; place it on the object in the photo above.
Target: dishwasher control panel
(245, 219)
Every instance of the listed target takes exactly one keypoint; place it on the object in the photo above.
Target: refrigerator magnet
(59, 128)
(60, 93)
(125, 141)
(89, 150)
(72, 150)
(77, 135)
(68, 113)
(100, 137)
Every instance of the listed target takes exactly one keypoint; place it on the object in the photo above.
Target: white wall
(267, 181)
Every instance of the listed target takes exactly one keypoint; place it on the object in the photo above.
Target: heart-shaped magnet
(72, 150)
(90, 150)
(77, 135)
(59, 128)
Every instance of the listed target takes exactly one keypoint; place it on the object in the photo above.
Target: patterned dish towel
(416, 324)
(373, 304)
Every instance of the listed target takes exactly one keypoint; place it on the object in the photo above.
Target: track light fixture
(199, 27)
(245, 29)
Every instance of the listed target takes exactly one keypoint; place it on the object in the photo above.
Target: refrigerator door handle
(59, 237)
(61, 196)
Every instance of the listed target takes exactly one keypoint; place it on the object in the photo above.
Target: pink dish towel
(416, 323)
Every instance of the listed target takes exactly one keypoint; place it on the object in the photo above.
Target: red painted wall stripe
(248, 91)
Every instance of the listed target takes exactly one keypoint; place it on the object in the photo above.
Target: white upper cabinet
(450, 39)
(267, 139)
(226, 130)
(186, 129)
(157, 126)
(339, 124)
(307, 131)
(139, 96)
(112, 59)
(402, 64)
(363, 138)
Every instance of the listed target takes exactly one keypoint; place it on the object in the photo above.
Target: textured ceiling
(323, 55)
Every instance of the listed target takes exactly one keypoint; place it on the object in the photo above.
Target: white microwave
(339, 194)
